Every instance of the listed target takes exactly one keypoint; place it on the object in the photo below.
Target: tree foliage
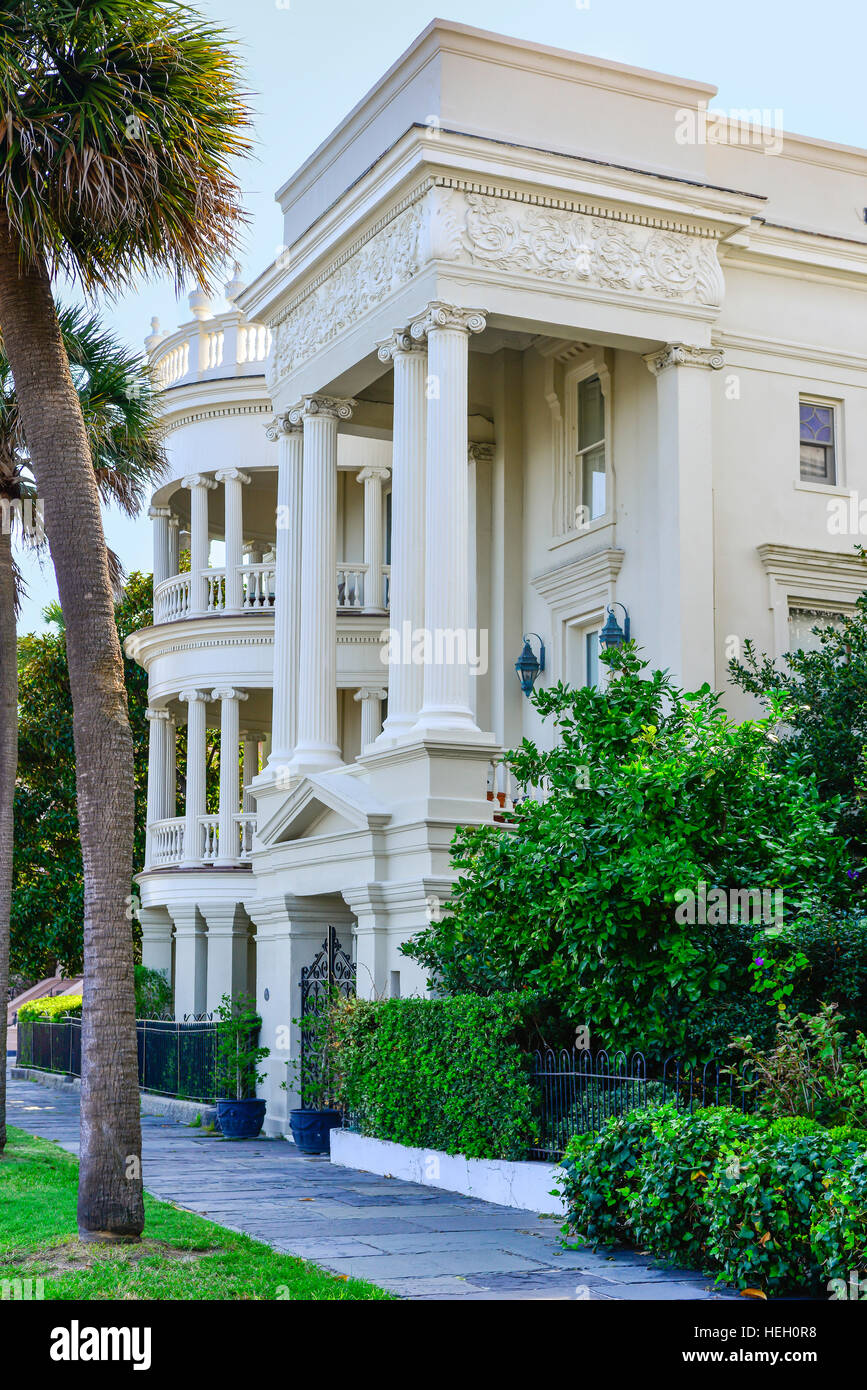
(650, 793)
(47, 905)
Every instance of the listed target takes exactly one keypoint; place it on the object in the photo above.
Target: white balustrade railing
(254, 342)
(210, 350)
(222, 343)
(216, 581)
(257, 585)
(166, 841)
(172, 599)
(246, 823)
(174, 364)
(350, 585)
(209, 832)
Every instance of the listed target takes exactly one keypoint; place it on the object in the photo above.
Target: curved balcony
(173, 602)
(166, 840)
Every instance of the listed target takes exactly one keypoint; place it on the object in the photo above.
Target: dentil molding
(499, 230)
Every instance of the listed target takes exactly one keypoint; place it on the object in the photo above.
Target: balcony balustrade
(172, 597)
(167, 840)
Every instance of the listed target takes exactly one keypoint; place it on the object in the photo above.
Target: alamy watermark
(421, 646)
(756, 128)
(719, 906)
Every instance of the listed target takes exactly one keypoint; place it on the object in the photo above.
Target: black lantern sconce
(529, 666)
(612, 634)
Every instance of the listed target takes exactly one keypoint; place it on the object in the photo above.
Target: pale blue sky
(309, 61)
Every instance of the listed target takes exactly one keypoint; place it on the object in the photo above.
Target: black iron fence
(577, 1092)
(174, 1059)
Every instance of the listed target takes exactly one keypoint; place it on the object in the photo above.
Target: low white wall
(524, 1185)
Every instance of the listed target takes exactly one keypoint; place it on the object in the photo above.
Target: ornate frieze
(500, 231)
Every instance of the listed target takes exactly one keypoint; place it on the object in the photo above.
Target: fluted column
(373, 477)
(684, 606)
(230, 698)
(195, 803)
(447, 708)
(170, 804)
(174, 544)
(406, 588)
(370, 698)
(250, 753)
(233, 481)
(158, 766)
(160, 516)
(316, 748)
(287, 592)
(199, 486)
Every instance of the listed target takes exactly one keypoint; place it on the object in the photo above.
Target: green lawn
(181, 1255)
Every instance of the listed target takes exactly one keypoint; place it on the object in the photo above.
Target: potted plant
(312, 1122)
(240, 1113)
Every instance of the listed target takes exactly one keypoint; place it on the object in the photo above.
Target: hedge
(449, 1074)
(779, 1206)
(53, 1006)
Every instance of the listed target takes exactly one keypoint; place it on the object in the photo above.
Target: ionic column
(373, 478)
(370, 698)
(316, 748)
(480, 458)
(195, 803)
(227, 845)
(233, 480)
(170, 785)
(406, 602)
(158, 764)
(161, 516)
(174, 544)
(684, 607)
(287, 592)
(199, 486)
(447, 708)
(250, 748)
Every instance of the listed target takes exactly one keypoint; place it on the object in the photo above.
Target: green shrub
(600, 1172)
(761, 1208)
(54, 1006)
(838, 1233)
(812, 1069)
(668, 1208)
(153, 993)
(450, 1074)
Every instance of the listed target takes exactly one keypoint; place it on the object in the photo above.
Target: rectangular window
(591, 659)
(818, 442)
(591, 447)
(802, 621)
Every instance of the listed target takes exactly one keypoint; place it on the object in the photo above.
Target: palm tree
(119, 123)
(122, 420)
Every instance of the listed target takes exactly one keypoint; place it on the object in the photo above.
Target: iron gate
(331, 971)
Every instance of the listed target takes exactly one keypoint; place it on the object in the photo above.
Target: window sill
(600, 524)
(824, 489)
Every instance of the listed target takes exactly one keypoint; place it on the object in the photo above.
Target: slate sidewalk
(416, 1241)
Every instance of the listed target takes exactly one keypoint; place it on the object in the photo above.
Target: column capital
(281, 425)
(190, 696)
(233, 474)
(228, 692)
(480, 453)
(373, 471)
(158, 714)
(399, 344)
(370, 692)
(684, 355)
(441, 315)
(197, 480)
(156, 512)
(327, 407)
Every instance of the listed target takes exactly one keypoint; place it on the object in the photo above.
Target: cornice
(217, 412)
(584, 576)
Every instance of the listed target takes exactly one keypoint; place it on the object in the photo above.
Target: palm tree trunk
(110, 1203)
(8, 767)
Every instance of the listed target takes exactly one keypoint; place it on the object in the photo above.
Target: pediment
(325, 805)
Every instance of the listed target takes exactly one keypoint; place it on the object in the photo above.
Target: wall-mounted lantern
(529, 665)
(612, 634)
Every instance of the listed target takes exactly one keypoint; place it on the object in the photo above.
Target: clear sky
(309, 61)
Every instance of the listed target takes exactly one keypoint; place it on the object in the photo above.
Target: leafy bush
(449, 1074)
(839, 1224)
(761, 1208)
(54, 1006)
(238, 1053)
(650, 793)
(812, 1070)
(153, 993)
(777, 1205)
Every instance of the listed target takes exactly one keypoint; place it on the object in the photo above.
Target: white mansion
(548, 336)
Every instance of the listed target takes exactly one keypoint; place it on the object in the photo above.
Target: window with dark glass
(591, 446)
(818, 443)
